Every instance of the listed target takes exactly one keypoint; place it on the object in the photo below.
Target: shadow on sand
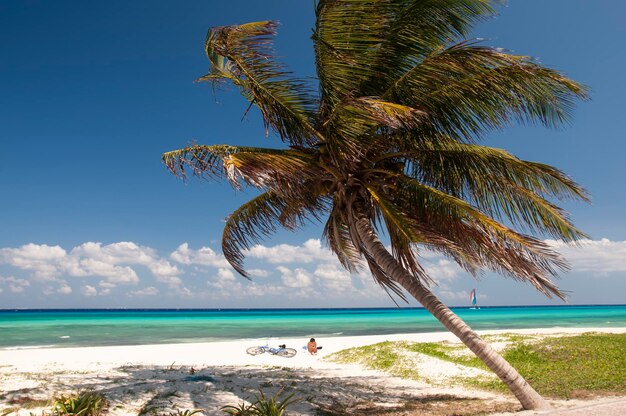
(150, 390)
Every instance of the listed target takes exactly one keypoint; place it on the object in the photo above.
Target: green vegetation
(573, 366)
(86, 403)
(454, 353)
(380, 356)
(398, 358)
(559, 367)
(386, 356)
(185, 412)
(264, 406)
(242, 409)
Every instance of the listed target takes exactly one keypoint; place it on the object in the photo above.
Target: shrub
(86, 403)
(264, 406)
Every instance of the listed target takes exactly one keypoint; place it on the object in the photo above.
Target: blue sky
(91, 94)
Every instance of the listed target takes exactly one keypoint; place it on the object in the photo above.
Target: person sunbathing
(312, 346)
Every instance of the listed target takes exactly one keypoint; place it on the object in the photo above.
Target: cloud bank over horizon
(284, 275)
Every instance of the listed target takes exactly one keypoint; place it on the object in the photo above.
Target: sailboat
(473, 299)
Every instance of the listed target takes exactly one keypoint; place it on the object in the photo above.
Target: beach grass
(578, 366)
(383, 356)
(564, 367)
(85, 403)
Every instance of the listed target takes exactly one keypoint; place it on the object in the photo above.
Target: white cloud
(148, 291)
(41, 259)
(448, 294)
(297, 278)
(162, 269)
(258, 273)
(34, 252)
(112, 261)
(284, 270)
(105, 287)
(310, 251)
(88, 290)
(226, 284)
(599, 257)
(256, 290)
(171, 280)
(442, 269)
(226, 275)
(333, 278)
(14, 284)
(114, 274)
(64, 289)
(184, 292)
(115, 264)
(203, 256)
(124, 252)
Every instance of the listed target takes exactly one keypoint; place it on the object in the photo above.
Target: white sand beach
(163, 378)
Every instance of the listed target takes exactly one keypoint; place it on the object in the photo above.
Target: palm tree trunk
(524, 392)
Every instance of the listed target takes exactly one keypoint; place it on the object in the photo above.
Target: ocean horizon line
(309, 309)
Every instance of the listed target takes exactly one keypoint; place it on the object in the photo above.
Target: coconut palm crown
(390, 144)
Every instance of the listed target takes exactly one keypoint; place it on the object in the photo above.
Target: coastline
(229, 352)
(120, 370)
(87, 328)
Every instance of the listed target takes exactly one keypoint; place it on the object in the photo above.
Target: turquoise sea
(57, 328)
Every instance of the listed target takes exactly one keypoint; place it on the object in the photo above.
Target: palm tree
(390, 144)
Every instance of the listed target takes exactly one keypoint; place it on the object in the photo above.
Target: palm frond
(263, 168)
(498, 183)
(356, 124)
(384, 279)
(479, 241)
(338, 238)
(344, 241)
(254, 220)
(243, 55)
(416, 29)
(467, 89)
(403, 233)
(362, 45)
(354, 118)
(347, 33)
(432, 157)
(393, 216)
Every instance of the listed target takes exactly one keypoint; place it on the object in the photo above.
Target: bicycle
(281, 351)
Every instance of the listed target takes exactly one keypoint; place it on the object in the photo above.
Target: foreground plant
(264, 406)
(186, 412)
(87, 403)
(390, 145)
(242, 409)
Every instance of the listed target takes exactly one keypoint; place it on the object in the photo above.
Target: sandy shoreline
(141, 377)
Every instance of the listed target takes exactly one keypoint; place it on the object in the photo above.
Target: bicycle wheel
(287, 352)
(255, 350)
